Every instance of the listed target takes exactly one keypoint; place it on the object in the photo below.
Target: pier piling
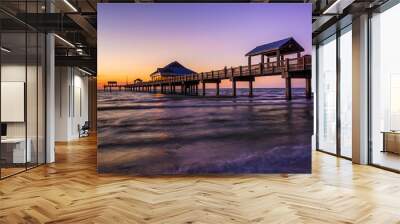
(250, 88)
(233, 87)
(288, 89)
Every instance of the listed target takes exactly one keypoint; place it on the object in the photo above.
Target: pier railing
(288, 68)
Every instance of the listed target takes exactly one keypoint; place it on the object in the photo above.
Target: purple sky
(135, 39)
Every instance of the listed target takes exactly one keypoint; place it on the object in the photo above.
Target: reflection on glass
(31, 101)
(346, 92)
(327, 95)
(385, 89)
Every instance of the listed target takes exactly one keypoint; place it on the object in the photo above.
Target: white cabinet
(19, 155)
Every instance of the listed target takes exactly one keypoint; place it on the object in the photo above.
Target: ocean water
(156, 134)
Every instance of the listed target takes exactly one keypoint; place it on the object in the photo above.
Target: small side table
(391, 141)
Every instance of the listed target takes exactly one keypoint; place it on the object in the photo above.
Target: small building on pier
(173, 69)
(277, 48)
(112, 83)
(137, 81)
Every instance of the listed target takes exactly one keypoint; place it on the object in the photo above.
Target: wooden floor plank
(71, 191)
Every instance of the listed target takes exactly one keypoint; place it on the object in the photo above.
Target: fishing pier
(281, 58)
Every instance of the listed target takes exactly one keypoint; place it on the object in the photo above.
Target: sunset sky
(135, 39)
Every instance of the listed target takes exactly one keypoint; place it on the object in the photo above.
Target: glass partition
(22, 88)
(326, 104)
(13, 94)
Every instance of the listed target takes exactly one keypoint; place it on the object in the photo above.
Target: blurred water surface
(156, 134)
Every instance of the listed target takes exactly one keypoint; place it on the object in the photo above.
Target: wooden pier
(114, 85)
(288, 69)
(294, 67)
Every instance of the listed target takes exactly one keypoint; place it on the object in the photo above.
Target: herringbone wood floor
(70, 191)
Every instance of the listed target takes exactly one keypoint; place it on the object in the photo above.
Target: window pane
(346, 93)
(327, 96)
(385, 84)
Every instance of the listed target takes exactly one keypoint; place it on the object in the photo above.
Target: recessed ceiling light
(70, 5)
(84, 71)
(5, 50)
(64, 40)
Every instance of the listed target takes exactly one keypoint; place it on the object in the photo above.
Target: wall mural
(204, 88)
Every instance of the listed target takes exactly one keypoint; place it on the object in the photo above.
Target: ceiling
(75, 21)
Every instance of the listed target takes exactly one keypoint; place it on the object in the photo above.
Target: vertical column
(251, 88)
(218, 88)
(360, 90)
(288, 88)
(50, 94)
(93, 103)
(204, 88)
(233, 87)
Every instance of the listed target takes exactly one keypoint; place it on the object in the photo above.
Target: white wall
(16, 73)
(71, 102)
(33, 126)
